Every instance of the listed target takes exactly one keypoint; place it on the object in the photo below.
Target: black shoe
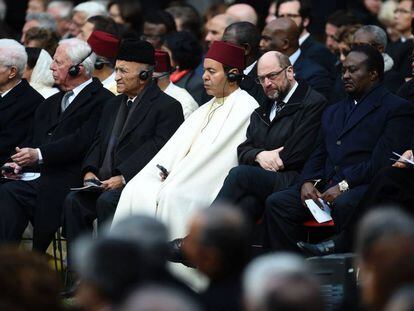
(175, 253)
(320, 249)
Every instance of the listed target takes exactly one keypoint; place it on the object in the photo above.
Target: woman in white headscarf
(38, 72)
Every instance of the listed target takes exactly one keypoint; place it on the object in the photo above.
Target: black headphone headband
(233, 77)
(145, 74)
(74, 70)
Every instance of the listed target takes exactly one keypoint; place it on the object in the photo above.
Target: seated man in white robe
(199, 155)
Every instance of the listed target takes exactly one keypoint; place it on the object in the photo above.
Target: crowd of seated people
(163, 139)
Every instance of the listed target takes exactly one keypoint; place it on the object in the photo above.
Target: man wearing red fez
(134, 126)
(105, 46)
(189, 170)
(162, 75)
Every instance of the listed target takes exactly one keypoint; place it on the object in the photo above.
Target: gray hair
(77, 50)
(379, 35)
(160, 298)
(381, 223)
(281, 281)
(91, 8)
(64, 7)
(46, 21)
(147, 232)
(3, 10)
(12, 53)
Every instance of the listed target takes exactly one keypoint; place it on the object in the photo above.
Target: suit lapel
(370, 102)
(140, 111)
(12, 96)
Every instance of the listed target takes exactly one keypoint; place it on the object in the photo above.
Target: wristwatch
(343, 186)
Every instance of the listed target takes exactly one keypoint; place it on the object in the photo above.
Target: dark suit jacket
(16, 116)
(319, 53)
(194, 84)
(314, 75)
(401, 52)
(295, 127)
(250, 86)
(63, 140)
(152, 123)
(407, 91)
(355, 144)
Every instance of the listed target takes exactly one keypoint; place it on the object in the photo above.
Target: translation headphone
(233, 77)
(100, 63)
(145, 74)
(73, 71)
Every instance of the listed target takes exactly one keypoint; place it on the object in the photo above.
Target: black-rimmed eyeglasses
(270, 76)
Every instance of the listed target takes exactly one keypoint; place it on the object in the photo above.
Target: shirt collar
(80, 87)
(5, 93)
(292, 90)
(109, 81)
(294, 57)
(303, 38)
(249, 68)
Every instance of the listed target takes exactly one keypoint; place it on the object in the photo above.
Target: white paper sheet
(320, 214)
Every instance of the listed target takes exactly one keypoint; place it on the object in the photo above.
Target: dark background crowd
(331, 84)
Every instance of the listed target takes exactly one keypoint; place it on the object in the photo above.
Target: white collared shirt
(272, 114)
(108, 82)
(75, 91)
(5, 93)
(249, 68)
(303, 38)
(294, 57)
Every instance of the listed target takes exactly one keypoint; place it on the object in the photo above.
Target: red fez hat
(227, 54)
(104, 44)
(162, 61)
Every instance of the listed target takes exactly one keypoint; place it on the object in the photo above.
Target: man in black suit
(63, 130)
(280, 137)
(247, 36)
(133, 128)
(358, 135)
(300, 12)
(377, 37)
(282, 35)
(18, 100)
(401, 50)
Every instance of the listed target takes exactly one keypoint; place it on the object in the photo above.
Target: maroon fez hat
(104, 44)
(227, 54)
(162, 61)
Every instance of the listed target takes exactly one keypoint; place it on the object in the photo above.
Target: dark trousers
(248, 186)
(17, 207)
(284, 215)
(81, 208)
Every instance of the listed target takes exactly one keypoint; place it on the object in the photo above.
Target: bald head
(275, 74)
(243, 12)
(281, 34)
(215, 27)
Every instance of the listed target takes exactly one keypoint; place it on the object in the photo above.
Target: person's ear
(374, 75)
(13, 72)
(247, 49)
(306, 22)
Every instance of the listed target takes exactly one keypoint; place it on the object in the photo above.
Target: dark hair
(131, 13)
(162, 17)
(190, 19)
(185, 49)
(104, 23)
(244, 33)
(46, 38)
(227, 231)
(374, 60)
(305, 10)
(32, 56)
(341, 18)
(27, 282)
